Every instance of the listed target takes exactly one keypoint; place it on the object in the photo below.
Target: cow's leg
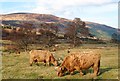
(71, 71)
(36, 62)
(31, 61)
(48, 63)
(81, 73)
(80, 70)
(44, 62)
(96, 69)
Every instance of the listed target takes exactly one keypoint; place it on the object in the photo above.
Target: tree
(74, 28)
(24, 37)
(48, 37)
(47, 33)
(24, 41)
(71, 32)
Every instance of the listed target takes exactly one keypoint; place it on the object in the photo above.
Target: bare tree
(48, 38)
(71, 32)
(75, 27)
(24, 37)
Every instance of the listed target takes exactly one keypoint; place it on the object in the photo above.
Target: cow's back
(87, 60)
(40, 55)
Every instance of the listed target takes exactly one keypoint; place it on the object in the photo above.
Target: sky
(99, 11)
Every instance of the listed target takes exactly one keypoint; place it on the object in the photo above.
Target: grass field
(17, 66)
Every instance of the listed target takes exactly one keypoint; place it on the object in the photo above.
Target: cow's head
(53, 61)
(61, 70)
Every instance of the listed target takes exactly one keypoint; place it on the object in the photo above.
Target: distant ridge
(19, 13)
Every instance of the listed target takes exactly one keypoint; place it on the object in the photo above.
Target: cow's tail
(98, 67)
(99, 63)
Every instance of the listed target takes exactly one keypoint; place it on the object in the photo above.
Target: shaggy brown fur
(42, 56)
(77, 61)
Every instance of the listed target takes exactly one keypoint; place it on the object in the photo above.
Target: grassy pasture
(17, 66)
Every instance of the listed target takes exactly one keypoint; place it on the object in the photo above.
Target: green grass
(17, 66)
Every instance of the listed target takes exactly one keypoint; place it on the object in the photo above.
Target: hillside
(99, 30)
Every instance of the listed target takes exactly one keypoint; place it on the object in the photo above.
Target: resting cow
(42, 56)
(77, 61)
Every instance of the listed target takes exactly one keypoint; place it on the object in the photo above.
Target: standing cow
(77, 61)
(42, 56)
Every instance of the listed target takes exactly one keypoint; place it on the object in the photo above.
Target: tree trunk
(74, 41)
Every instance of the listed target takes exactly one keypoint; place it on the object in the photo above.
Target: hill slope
(100, 30)
(15, 19)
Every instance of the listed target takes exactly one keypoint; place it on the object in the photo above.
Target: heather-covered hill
(98, 30)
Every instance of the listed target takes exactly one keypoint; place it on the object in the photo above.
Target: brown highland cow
(78, 61)
(42, 56)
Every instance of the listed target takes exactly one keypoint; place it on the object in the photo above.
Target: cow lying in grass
(77, 61)
(42, 56)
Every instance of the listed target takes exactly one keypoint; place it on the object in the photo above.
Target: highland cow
(42, 56)
(79, 62)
